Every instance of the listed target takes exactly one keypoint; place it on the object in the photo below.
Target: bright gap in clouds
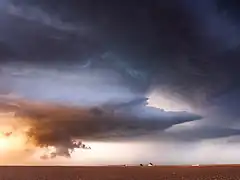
(162, 153)
(161, 99)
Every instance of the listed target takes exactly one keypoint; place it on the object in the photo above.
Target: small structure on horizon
(150, 164)
(195, 165)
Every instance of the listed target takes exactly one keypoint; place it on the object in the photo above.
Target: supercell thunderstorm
(69, 78)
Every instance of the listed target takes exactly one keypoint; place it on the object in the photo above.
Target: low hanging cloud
(61, 129)
(61, 126)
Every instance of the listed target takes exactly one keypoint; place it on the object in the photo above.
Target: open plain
(121, 173)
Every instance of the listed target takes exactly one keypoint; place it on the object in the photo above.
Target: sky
(64, 62)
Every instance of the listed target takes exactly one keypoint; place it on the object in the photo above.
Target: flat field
(121, 173)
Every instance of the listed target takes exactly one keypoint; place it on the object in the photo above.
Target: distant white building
(195, 165)
(150, 164)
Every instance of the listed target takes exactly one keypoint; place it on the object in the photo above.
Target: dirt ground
(121, 173)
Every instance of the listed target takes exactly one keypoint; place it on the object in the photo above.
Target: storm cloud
(67, 127)
(62, 126)
(75, 56)
(152, 44)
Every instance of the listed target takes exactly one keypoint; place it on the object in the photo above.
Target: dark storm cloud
(35, 15)
(179, 45)
(30, 34)
(59, 126)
